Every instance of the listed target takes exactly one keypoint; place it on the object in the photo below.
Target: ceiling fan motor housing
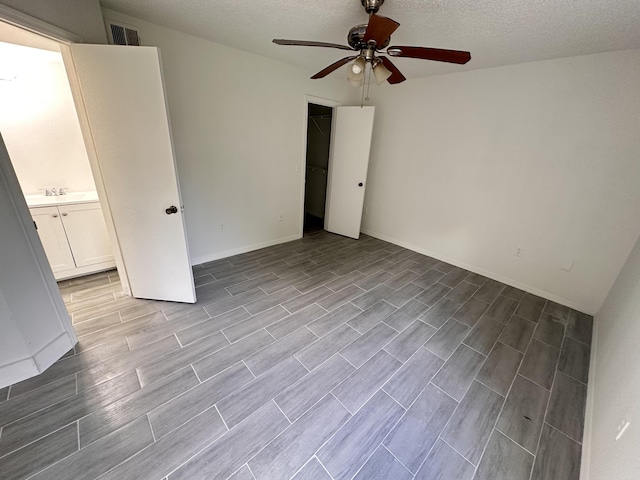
(372, 6)
(355, 38)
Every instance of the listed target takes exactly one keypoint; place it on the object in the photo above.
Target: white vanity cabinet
(74, 237)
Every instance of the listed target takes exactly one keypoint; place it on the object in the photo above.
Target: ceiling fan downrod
(372, 6)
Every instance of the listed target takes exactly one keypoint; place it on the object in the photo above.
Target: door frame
(65, 38)
(325, 102)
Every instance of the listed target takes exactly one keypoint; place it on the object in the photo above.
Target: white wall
(614, 386)
(82, 17)
(238, 128)
(545, 155)
(39, 123)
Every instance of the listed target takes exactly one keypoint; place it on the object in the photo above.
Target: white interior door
(123, 96)
(348, 164)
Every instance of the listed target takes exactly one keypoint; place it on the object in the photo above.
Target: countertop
(56, 200)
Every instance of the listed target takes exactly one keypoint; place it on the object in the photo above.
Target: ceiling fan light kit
(370, 40)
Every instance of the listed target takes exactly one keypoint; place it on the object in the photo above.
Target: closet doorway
(319, 121)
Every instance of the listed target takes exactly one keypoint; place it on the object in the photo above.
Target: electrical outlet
(222, 227)
(281, 217)
(519, 251)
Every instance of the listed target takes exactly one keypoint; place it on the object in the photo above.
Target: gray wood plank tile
(162, 366)
(366, 380)
(231, 303)
(305, 299)
(429, 278)
(458, 372)
(444, 463)
(383, 466)
(523, 413)
(103, 455)
(413, 377)
(354, 443)
(574, 360)
(296, 321)
(489, 291)
(567, 406)
(345, 280)
(557, 310)
(251, 284)
(281, 297)
(424, 264)
(88, 303)
(550, 330)
(476, 279)
(44, 422)
(253, 324)
(501, 309)
(504, 460)
(211, 326)
(284, 282)
(20, 406)
(462, 292)
(445, 341)
(372, 297)
(517, 333)
(97, 324)
(178, 411)
(313, 470)
(410, 340)
(406, 315)
(291, 449)
(279, 351)
(222, 359)
(232, 450)
(105, 421)
(557, 457)
(171, 451)
(374, 280)
(333, 320)
(433, 293)
(438, 314)
(471, 424)
(531, 307)
(311, 388)
(4, 394)
(499, 370)
(365, 347)
(40, 454)
(539, 364)
(454, 277)
(371, 316)
(403, 295)
(470, 311)
(414, 435)
(318, 352)
(513, 292)
(375, 267)
(484, 335)
(580, 327)
(144, 337)
(249, 398)
(243, 474)
(316, 280)
(340, 297)
(402, 278)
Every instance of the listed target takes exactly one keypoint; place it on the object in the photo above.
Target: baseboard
(486, 273)
(238, 251)
(585, 464)
(17, 371)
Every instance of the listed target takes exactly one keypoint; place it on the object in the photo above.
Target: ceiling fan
(370, 39)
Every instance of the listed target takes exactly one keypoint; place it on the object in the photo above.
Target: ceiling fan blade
(437, 54)
(304, 43)
(396, 75)
(332, 67)
(380, 29)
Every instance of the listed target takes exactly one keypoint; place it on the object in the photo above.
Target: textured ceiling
(496, 32)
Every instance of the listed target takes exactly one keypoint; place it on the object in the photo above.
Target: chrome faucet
(51, 192)
(62, 190)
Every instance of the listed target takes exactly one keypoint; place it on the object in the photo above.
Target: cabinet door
(53, 238)
(87, 233)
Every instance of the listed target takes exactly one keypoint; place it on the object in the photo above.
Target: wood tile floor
(322, 358)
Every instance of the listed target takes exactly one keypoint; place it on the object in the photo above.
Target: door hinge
(35, 224)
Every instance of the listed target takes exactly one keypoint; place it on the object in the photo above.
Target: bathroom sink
(71, 197)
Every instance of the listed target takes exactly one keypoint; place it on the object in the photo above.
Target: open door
(348, 164)
(123, 101)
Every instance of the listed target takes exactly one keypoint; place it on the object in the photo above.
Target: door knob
(360, 184)
(171, 209)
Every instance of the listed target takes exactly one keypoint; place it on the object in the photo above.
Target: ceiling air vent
(120, 34)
